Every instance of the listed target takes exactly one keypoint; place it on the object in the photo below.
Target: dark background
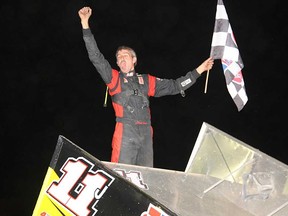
(50, 88)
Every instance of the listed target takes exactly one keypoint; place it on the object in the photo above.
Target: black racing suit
(132, 141)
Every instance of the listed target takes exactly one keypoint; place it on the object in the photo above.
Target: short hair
(131, 51)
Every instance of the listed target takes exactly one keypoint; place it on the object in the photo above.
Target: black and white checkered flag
(224, 47)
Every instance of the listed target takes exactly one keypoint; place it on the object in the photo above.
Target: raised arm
(84, 14)
(96, 57)
(171, 87)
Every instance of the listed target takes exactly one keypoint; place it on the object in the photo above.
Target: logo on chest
(140, 80)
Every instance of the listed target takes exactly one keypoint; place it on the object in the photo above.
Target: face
(125, 61)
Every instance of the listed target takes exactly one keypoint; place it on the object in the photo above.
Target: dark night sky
(50, 88)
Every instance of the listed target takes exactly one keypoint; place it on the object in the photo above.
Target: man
(132, 141)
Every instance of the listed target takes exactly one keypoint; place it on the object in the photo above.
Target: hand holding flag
(205, 66)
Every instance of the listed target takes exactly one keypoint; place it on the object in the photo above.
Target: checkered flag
(224, 47)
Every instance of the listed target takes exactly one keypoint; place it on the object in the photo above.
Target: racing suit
(132, 141)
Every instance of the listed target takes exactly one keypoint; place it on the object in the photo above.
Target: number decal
(80, 188)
